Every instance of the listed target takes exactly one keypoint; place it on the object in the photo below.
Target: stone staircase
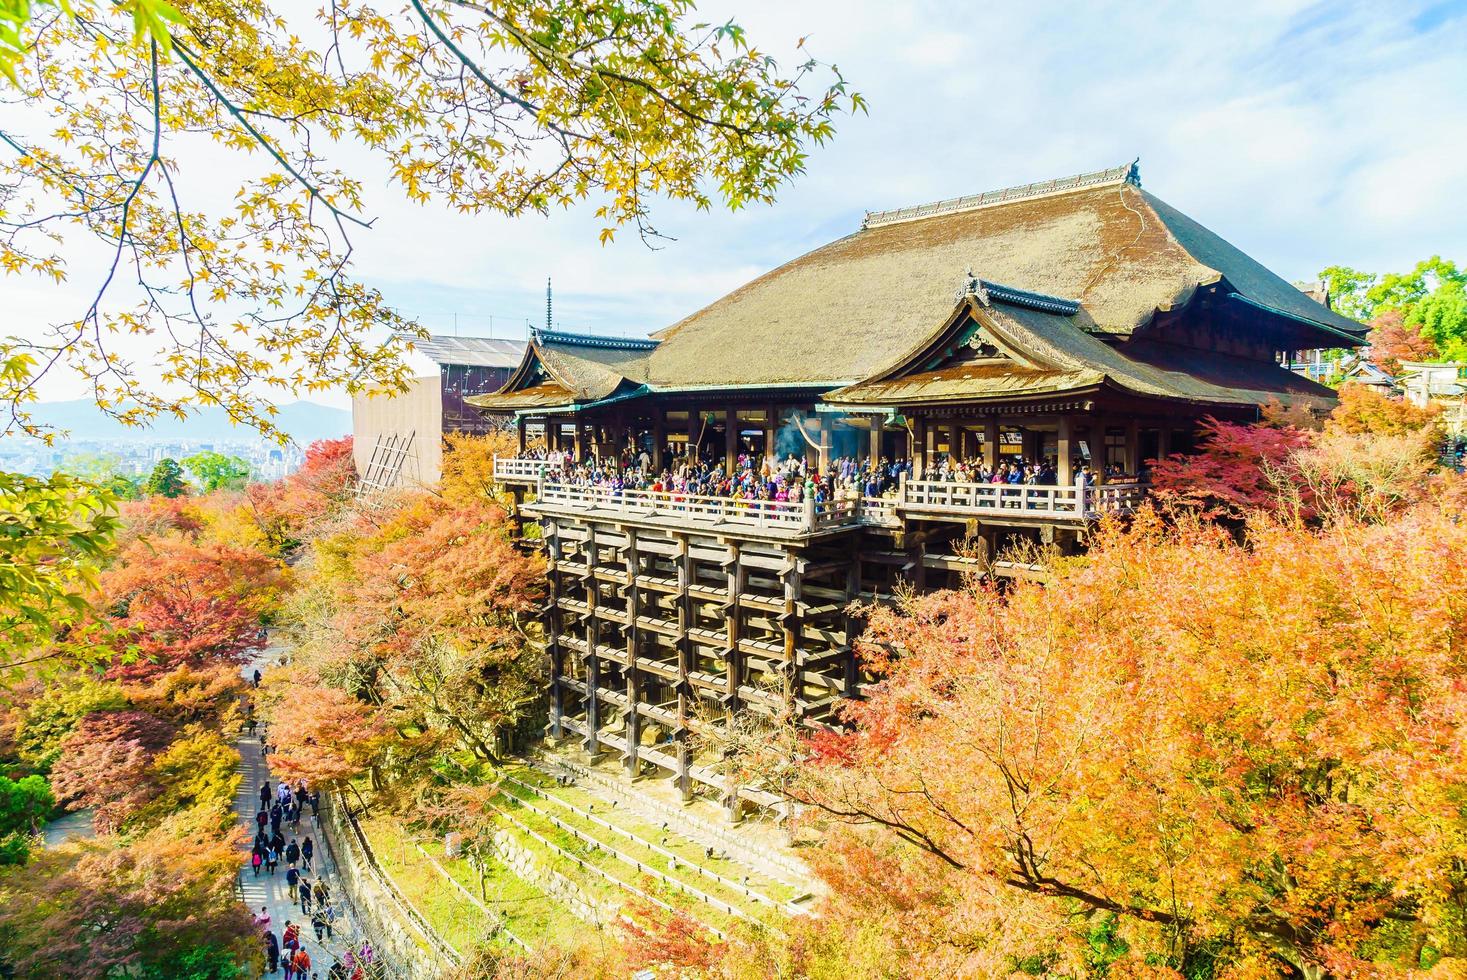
(588, 830)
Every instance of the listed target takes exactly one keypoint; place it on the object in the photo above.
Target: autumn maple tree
(175, 602)
(504, 107)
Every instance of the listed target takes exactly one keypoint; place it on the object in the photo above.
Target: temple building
(1081, 325)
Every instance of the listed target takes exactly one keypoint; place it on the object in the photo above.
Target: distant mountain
(304, 421)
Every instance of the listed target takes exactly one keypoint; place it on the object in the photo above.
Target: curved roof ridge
(1125, 174)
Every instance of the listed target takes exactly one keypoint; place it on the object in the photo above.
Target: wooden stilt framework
(655, 633)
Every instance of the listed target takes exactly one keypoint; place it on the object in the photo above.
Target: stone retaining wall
(410, 947)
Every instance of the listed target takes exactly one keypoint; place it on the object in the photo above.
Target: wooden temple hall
(1080, 322)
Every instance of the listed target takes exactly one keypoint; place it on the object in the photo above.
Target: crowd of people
(793, 478)
(304, 886)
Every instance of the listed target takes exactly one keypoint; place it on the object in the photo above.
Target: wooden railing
(511, 469)
(938, 497)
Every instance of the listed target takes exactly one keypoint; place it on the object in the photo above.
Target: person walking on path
(321, 892)
(303, 891)
(256, 859)
(262, 921)
(308, 849)
(276, 812)
(292, 853)
(302, 964)
(265, 795)
(272, 952)
(272, 857)
(318, 922)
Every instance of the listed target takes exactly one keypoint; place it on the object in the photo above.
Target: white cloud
(1306, 133)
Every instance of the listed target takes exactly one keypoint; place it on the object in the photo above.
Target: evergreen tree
(166, 480)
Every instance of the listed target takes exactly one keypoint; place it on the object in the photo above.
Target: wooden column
(825, 442)
(552, 630)
(580, 439)
(771, 431)
(990, 442)
(593, 661)
(695, 428)
(659, 437)
(1097, 449)
(873, 443)
(1164, 440)
(733, 661)
(519, 429)
(1132, 465)
(633, 730)
(685, 578)
(919, 448)
(730, 440)
(1065, 473)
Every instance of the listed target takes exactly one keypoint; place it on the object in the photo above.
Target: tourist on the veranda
(308, 850)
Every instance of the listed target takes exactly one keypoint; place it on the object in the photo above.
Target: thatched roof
(562, 368)
(848, 309)
(1095, 253)
(1042, 353)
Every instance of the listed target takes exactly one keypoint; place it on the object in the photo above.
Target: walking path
(270, 891)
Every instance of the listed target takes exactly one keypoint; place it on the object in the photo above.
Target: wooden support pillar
(552, 630)
(990, 443)
(593, 660)
(695, 429)
(659, 437)
(919, 448)
(873, 443)
(579, 443)
(730, 440)
(1065, 474)
(519, 429)
(771, 432)
(792, 623)
(736, 577)
(686, 576)
(633, 730)
(1164, 441)
(1132, 464)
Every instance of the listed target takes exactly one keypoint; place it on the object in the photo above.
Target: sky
(1307, 134)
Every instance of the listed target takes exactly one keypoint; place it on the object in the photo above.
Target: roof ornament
(973, 286)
